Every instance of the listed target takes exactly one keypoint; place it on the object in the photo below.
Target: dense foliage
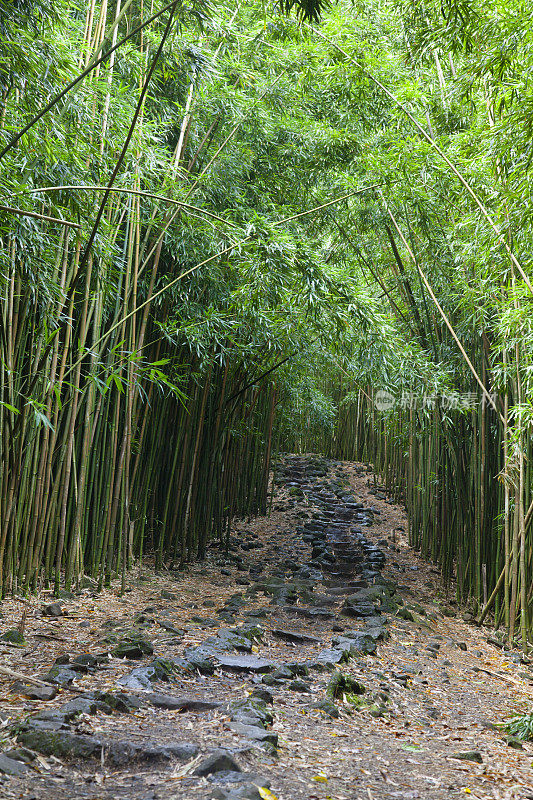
(244, 230)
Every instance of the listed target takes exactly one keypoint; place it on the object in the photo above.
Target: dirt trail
(319, 658)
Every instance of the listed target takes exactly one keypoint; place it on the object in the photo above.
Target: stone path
(315, 659)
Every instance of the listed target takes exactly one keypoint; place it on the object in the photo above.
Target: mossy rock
(133, 648)
(356, 701)
(295, 491)
(327, 707)
(14, 637)
(163, 669)
(340, 685)
(61, 744)
(255, 707)
(404, 613)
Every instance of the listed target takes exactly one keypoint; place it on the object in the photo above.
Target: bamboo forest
(244, 245)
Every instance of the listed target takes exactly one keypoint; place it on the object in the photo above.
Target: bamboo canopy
(231, 232)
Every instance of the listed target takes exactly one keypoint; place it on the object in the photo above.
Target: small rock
(251, 711)
(121, 702)
(329, 659)
(218, 761)
(514, 742)
(299, 686)
(62, 676)
(82, 705)
(34, 692)
(254, 733)
(263, 694)
(468, 755)
(85, 660)
(240, 786)
(21, 754)
(14, 637)
(142, 677)
(10, 766)
(53, 610)
(327, 707)
(404, 613)
(358, 642)
(133, 649)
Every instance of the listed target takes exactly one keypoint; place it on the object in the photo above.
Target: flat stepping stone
(10, 766)
(309, 613)
(255, 734)
(65, 744)
(34, 692)
(244, 664)
(329, 659)
(294, 636)
(171, 703)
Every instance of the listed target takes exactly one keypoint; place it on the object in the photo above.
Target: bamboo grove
(231, 230)
(440, 404)
(134, 414)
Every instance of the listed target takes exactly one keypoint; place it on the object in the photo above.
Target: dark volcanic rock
(359, 608)
(86, 660)
(179, 703)
(328, 659)
(118, 701)
(299, 686)
(133, 649)
(244, 791)
(327, 706)
(11, 766)
(72, 709)
(254, 733)
(34, 692)
(143, 677)
(59, 743)
(53, 610)
(21, 754)
(294, 636)
(218, 761)
(244, 663)
(65, 744)
(356, 642)
(309, 613)
(263, 694)
(183, 751)
(14, 637)
(62, 676)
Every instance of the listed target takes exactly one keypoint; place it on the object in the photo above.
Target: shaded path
(318, 658)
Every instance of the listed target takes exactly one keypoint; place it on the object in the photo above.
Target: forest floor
(321, 658)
